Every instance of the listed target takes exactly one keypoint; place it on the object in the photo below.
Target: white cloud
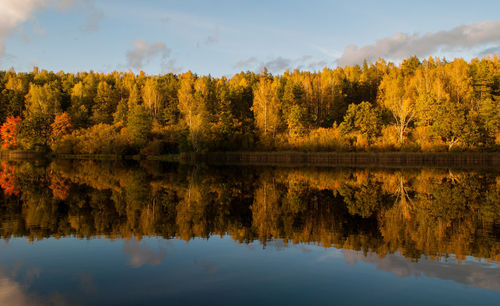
(13, 13)
(401, 45)
(143, 52)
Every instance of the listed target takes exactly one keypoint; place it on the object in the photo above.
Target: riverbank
(348, 158)
(483, 159)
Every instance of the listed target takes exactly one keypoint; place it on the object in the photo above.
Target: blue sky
(223, 37)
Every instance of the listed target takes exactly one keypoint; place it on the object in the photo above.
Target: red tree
(9, 130)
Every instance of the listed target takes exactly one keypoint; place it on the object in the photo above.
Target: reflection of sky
(469, 272)
(219, 271)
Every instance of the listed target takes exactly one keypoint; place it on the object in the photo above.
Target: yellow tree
(152, 96)
(43, 100)
(396, 96)
(266, 107)
(192, 107)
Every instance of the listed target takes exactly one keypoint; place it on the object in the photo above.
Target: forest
(418, 105)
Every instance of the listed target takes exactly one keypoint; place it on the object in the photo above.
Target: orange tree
(9, 130)
(61, 126)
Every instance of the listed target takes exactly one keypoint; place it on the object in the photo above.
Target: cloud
(170, 66)
(13, 13)
(490, 51)
(401, 45)
(245, 63)
(143, 52)
(93, 17)
(279, 64)
(141, 254)
(213, 38)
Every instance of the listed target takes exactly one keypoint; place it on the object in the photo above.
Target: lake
(151, 233)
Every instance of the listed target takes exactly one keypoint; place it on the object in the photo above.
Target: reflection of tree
(60, 187)
(365, 199)
(8, 179)
(415, 212)
(266, 210)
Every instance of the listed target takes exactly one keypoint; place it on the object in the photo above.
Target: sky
(223, 37)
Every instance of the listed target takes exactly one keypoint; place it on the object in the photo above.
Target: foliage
(362, 118)
(427, 105)
(61, 126)
(139, 126)
(9, 131)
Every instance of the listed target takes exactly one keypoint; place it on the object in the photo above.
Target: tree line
(416, 212)
(428, 105)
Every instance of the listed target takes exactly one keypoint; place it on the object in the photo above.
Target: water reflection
(419, 212)
(432, 223)
(472, 273)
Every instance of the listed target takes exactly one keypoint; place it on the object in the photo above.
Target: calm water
(107, 233)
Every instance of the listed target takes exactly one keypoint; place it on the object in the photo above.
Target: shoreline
(293, 158)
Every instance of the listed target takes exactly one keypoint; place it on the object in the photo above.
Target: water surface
(116, 233)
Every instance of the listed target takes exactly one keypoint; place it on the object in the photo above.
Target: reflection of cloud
(141, 254)
(468, 273)
(86, 283)
(209, 267)
(13, 293)
(401, 45)
(32, 274)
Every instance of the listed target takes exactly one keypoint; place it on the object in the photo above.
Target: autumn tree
(43, 101)
(152, 96)
(266, 107)
(81, 101)
(193, 108)
(396, 97)
(9, 131)
(61, 126)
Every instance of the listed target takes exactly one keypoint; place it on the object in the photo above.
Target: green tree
(105, 103)
(139, 126)
(362, 118)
